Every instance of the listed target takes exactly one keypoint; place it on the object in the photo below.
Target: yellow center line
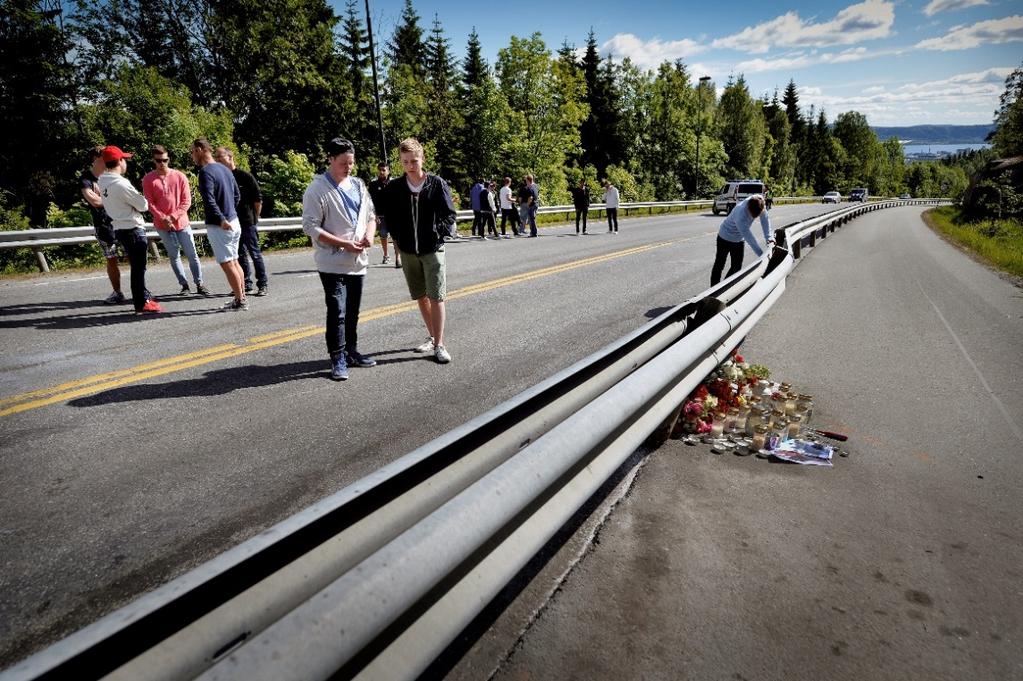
(91, 385)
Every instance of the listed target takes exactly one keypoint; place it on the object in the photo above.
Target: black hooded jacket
(418, 224)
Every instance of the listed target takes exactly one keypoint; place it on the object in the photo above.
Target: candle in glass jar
(759, 438)
(718, 425)
(755, 418)
(806, 402)
(790, 404)
(732, 420)
(777, 416)
(795, 426)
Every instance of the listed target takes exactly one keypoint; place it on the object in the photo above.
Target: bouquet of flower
(730, 385)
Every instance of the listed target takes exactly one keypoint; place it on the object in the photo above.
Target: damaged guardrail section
(376, 580)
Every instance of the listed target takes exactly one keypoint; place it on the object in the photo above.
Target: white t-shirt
(611, 196)
(506, 198)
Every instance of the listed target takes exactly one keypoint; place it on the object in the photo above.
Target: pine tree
(791, 101)
(406, 47)
(441, 126)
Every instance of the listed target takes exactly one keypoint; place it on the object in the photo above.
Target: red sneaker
(151, 306)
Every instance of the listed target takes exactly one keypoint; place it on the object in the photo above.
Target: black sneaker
(201, 290)
(260, 292)
(185, 289)
(356, 359)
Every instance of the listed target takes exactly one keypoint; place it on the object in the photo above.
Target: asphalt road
(902, 562)
(134, 449)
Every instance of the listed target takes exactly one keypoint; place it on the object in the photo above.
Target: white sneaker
(441, 355)
(425, 347)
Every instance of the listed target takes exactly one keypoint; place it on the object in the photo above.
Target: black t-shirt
(376, 187)
(100, 220)
(249, 189)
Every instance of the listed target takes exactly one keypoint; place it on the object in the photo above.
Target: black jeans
(580, 212)
(248, 247)
(612, 219)
(510, 215)
(477, 223)
(487, 223)
(343, 295)
(136, 245)
(725, 249)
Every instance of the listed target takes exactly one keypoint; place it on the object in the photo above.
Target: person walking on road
(220, 196)
(508, 212)
(375, 189)
(125, 205)
(421, 215)
(249, 208)
(339, 216)
(611, 205)
(735, 229)
(89, 183)
(170, 197)
(581, 201)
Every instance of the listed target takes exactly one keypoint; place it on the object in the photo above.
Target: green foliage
(628, 188)
(742, 131)
(283, 181)
(933, 179)
(1000, 242)
(1008, 137)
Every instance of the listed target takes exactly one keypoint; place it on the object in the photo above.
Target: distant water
(913, 149)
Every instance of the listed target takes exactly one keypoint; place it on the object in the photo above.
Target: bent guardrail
(376, 580)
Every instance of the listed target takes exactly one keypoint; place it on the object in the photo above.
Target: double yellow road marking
(91, 385)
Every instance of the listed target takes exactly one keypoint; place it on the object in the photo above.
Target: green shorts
(424, 275)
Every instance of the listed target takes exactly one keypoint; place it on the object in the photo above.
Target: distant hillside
(936, 134)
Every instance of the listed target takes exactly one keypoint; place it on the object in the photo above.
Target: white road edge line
(1001, 407)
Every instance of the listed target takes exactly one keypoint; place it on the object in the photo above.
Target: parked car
(831, 197)
(905, 196)
(733, 193)
(859, 194)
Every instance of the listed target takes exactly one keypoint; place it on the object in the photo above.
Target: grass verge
(997, 242)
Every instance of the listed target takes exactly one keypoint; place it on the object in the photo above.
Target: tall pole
(376, 87)
(699, 134)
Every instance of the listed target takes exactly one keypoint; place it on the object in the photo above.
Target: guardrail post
(41, 260)
(154, 251)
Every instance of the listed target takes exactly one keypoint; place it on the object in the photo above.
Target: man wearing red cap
(125, 204)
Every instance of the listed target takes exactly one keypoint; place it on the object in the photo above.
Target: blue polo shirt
(220, 193)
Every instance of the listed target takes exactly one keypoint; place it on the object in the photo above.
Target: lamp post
(699, 133)
(376, 87)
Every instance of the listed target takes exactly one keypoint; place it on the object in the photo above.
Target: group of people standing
(231, 205)
(342, 216)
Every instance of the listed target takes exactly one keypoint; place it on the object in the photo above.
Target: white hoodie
(122, 202)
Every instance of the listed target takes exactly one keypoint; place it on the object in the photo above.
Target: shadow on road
(656, 312)
(107, 315)
(217, 382)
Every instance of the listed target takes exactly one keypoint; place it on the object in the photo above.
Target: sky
(898, 62)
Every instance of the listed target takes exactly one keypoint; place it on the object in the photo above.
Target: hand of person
(225, 225)
(366, 243)
(352, 247)
(168, 221)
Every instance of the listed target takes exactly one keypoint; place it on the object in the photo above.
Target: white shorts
(224, 241)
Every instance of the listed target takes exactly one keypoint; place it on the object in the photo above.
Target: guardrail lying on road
(38, 239)
(376, 580)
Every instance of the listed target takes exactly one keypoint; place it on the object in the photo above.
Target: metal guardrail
(38, 239)
(376, 580)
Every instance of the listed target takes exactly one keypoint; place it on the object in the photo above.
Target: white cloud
(801, 60)
(867, 20)
(873, 90)
(650, 54)
(935, 6)
(1009, 29)
(965, 98)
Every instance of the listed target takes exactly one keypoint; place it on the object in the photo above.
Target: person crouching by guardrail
(169, 198)
(125, 204)
(734, 230)
(339, 216)
(421, 215)
(101, 222)
(220, 196)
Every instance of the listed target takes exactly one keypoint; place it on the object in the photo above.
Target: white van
(734, 192)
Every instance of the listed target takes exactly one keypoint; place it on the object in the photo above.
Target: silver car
(831, 197)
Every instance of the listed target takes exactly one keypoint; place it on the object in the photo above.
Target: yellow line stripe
(114, 379)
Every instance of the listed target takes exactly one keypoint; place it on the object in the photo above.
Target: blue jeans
(175, 243)
(343, 295)
(249, 248)
(136, 246)
(528, 214)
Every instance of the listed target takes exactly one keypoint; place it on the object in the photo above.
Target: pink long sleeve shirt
(168, 195)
